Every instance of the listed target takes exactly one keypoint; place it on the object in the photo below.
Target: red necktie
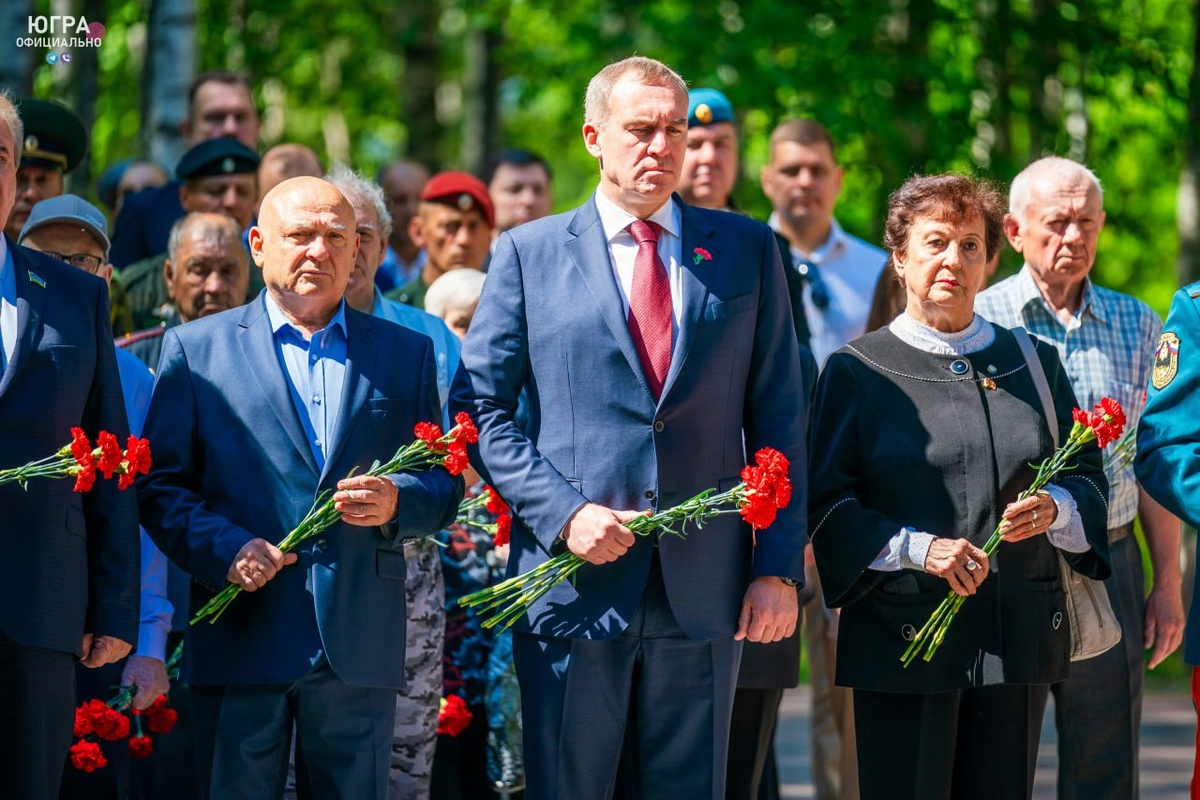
(650, 306)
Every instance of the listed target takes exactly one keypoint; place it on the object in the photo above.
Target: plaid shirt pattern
(1107, 351)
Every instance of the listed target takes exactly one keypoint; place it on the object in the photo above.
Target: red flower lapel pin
(700, 254)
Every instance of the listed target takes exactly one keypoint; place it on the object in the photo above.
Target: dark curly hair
(948, 197)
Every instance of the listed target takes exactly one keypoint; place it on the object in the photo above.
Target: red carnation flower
(86, 756)
(495, 503)
(466, 430)
(85, 479)
(140, 746)
(110, 724)
(1080, 417)
(503, 531)
(137, 456)
(83, 721)
(453, 716)
(456, 462)
(81, 448)
(160, 717)
(427, 432)
(110, 454)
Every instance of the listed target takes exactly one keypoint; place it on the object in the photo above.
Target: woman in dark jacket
(923, 435)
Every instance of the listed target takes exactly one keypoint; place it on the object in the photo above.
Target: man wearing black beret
(219, 176)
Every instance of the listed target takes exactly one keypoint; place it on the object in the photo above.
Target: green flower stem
(931, 635)
(55, 466)
(413, 457)
(505, 603)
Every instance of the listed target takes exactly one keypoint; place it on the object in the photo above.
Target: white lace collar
(975, 337)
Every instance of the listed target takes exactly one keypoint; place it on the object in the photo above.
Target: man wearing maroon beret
(454, 226)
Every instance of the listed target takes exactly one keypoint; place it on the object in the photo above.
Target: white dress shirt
(622, 249)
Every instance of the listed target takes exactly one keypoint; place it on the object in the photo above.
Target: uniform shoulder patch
(1166, 360)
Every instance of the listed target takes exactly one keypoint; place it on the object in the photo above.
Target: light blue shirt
(848, 268)
(447, 349)
(156, 610)
(316, 371)
(8, 305)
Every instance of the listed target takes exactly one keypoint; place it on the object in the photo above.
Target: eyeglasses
(85, 261)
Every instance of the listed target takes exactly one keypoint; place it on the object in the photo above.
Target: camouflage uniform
(415, 734)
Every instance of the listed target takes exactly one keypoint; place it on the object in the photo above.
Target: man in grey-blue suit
(255, 411)
(71, 569)
(656, 346)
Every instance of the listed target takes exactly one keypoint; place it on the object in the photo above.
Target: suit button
(649, 494)
(908, 632)
(322, 543)
(1056, 620)
(658, 426)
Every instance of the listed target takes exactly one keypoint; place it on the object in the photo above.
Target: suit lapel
(589, 250)
(696, 278)
(258, 348)
(31, 297)
(361, 352)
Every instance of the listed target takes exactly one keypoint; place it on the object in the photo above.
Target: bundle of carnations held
(1102, 426)
(431, 448)
(764, 490)
(81, 461)
(487, 500)
(97, 720)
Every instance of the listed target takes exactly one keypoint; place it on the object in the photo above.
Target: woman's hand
(958, 561)
(1029, 517)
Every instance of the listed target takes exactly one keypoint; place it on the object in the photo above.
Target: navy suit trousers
(343, 738)
(642, 715)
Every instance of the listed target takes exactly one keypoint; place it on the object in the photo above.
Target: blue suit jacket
(232, 463)
(1168, 436)
(551, 321)
(71, 561)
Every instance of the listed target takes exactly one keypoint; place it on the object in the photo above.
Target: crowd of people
(274, 325)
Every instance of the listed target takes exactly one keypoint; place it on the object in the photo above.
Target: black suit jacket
(72, 561)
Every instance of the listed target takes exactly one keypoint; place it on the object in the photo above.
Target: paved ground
(1168, 737)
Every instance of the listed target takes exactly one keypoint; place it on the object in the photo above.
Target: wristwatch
(792, 582)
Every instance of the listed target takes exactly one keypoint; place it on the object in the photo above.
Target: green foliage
(904, 85)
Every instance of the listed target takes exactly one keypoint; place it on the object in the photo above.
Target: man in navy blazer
(627, 673)
(70, 574)
(255, 411)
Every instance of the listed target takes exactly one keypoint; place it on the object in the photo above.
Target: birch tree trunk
(170, 67)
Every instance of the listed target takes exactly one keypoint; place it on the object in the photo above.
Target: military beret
(55, 136)
(707, 107)
(460, 190)
(225, 156)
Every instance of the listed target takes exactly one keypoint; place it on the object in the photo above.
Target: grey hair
(646, 70)
(180, 229)
(12, 117)
(454, 289)
(1057, 166)
(347, 180)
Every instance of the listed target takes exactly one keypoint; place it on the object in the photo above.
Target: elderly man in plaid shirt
(1106, 341)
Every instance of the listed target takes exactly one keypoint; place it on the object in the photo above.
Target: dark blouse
(900, 439)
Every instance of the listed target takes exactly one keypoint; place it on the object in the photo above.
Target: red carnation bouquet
(1102, 426)
(112, 721)
(493, 503)
(81, 461)
(431, 448)
(764, 489)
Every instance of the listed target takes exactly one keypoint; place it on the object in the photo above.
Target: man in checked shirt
(1106, 341)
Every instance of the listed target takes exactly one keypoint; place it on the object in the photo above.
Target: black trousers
(37, 694)
(968, 744)
(751, 736)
